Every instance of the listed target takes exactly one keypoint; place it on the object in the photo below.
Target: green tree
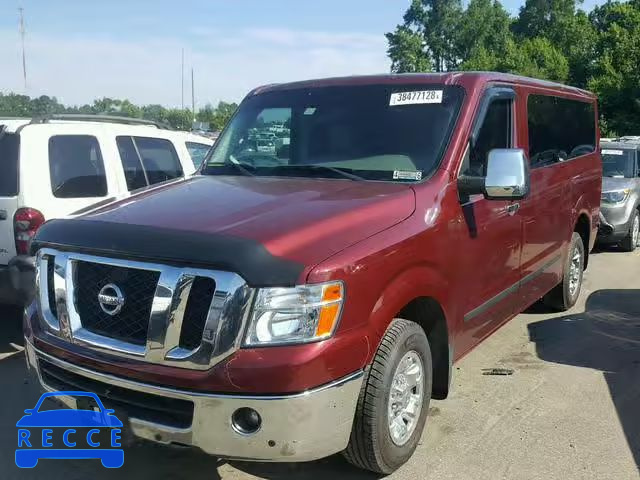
(407, 51)
(427, 37)
(483, 31)
(541, 18)
(616, 73)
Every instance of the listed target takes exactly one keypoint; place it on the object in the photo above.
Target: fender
(414, 282)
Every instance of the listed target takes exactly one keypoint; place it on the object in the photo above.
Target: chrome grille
(183, 317)
(138, 286)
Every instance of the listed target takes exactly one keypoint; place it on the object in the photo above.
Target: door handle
(3, 215)
(513, 208)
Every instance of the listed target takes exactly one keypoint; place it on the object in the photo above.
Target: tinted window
(377, 132)
(133, 171)
(76, 167)
(9, 148)
(494, 133)
(147, 161)
(197, 151)
(617, 162)
(159, 159)
(559, 129)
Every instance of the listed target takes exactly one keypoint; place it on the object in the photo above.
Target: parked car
(197, 145)
(620, 207)
(54, 165)
(323, 307)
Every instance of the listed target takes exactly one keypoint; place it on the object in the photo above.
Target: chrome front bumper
(301, 427)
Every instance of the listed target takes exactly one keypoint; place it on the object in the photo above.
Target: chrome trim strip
(224, 325)
(509, 290)
(183, 394)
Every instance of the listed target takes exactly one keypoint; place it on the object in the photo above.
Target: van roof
(448, 78)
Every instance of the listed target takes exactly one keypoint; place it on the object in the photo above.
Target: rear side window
(9, 148)
(197, 151)
(147, 161)
(76, 167)
(559, 129)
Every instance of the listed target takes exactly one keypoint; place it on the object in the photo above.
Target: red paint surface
(389, 243)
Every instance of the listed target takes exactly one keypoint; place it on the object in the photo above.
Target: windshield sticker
(612, 152)
(415, 98)
(407, 175)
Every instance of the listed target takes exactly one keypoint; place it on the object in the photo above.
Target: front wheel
(631, 241)
(566, 294)
(394, 400)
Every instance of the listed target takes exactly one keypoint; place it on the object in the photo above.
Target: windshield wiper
(319, 168)
(244, 168)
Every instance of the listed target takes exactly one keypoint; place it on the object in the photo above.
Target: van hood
(251, 225)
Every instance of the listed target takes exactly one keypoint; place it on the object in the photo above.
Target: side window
(494, 133)
(197, 152)
(559, 129)
(76, 167)
(133, 172)
(159, 159)
(147, 161)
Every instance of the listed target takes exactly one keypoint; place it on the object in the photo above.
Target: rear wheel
(565, 295)
(394, 401)
(631, 241)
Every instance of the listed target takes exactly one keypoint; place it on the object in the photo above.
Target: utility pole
(182, 79)
(193, 96)
(24, 57)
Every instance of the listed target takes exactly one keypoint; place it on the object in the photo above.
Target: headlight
(617, 196)
(295, 315)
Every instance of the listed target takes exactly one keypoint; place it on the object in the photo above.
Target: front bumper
(301, 427)
(615, 222)
(17, 281)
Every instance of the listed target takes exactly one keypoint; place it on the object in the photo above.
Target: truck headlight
(616, 196)
(302, 314)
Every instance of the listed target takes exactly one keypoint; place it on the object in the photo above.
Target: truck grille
(138, 287)
(183, 317)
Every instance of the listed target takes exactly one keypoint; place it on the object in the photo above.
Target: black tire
(629, 243)
(561, 298)
(371, 446)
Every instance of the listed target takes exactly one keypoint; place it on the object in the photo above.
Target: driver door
(492, 245)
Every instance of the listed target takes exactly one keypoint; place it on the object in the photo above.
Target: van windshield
(378, 132)
(9, 146)
(617, 162)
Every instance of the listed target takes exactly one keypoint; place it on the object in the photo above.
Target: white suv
(55, 165)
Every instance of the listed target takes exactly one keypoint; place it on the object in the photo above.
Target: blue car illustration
(36, 444)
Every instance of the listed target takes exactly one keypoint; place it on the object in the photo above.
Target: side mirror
(507, 175)
(29, 411)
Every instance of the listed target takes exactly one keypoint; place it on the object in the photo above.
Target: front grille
(137, 286)
(52, 291)
(196, 312)
(168, 411)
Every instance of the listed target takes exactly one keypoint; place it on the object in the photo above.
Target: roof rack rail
(99, 118)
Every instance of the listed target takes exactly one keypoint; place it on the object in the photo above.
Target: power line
(182, 79)
(24, 56)
(193, 96)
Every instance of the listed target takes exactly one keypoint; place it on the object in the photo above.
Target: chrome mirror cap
(507, 174)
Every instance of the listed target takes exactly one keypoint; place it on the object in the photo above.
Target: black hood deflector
(246, 257)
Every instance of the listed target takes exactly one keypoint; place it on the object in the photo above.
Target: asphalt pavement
(570, 409)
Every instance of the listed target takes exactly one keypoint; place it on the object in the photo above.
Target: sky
(79, 50)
